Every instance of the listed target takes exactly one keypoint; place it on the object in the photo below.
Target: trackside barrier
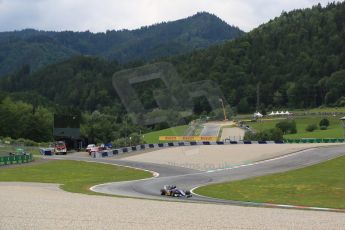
(15, 159)
(315, 140)
(113, 152)
(108, 153)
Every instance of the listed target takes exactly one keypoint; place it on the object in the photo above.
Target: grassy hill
(153, 137)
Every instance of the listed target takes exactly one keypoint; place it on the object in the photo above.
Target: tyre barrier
(109, 153)
(315, 140)
(15, 159)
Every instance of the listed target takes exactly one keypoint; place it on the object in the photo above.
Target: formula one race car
(171, 190)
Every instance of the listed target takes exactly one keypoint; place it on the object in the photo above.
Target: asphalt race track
(188, 178)
(211, 129)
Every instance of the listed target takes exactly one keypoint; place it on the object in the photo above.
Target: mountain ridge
(291, 57)
(297, 61)
(38, 48)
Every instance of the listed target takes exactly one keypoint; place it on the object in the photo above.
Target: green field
(198, 129)
(6, 149)
(323, 110)
(74, 176)
(297, 111)
(335, 129)
(153, 137)
(321, 185)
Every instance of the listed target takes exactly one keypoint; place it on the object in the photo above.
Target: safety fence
(15, 159)
(315, 140)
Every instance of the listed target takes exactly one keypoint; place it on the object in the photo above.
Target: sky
(102, 15)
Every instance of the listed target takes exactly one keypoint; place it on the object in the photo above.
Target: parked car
(108, 146)
(60, 148)
(89, 147)
(95, 150)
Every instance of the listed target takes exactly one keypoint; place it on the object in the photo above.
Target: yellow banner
(188, 138)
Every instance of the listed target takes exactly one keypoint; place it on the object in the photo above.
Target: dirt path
(233, 134)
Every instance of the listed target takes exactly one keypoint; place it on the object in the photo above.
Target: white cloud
(100, 15)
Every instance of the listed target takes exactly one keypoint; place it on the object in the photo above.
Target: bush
(249, 136)
(276, 134)
(136, 139)
(311, 127)
(132, 140)
(324, 122)
(287, 127)
(266, 135)
(120, 142)
(323, 127)
(7, 140)
(25, 142)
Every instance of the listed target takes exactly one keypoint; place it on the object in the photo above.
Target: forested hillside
(81, 82)
(40, 48)
(297, 60)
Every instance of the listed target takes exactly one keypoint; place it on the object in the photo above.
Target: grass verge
(153, 137)
(198, 130)
(6, 149)
(334, 130)
(74, 176)
(321, 185)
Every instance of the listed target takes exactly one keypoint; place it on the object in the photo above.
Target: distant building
(67, 128)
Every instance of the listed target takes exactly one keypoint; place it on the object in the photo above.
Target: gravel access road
(45, 206)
